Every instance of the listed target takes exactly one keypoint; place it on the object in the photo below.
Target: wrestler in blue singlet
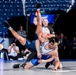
(34, 61)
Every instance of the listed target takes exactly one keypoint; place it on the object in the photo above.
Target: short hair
(54, 40)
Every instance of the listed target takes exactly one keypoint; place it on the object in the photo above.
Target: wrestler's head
(53, 42)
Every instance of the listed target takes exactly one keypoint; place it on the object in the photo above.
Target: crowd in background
(67, 46)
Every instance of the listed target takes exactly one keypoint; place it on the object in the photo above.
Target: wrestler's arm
(53, 54)
(50, 35)
(38, 48)
(41, 37)
(56, 63)
(47, 60)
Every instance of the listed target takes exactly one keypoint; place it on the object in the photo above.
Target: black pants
(16, 57)
(5, 53)
(32, 55)
(12, 57)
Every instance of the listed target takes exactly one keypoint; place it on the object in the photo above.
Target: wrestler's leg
(29, 58)
(32, 63)
(28, 65)
(22, 41)
(60, 66)
(57, 64)
(39, 21)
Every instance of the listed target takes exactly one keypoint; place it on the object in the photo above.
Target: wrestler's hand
(41, 61)
(39, 55)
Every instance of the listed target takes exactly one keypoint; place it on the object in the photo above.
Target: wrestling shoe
(22, 65)
(47, 65)
(19, 65)
(7, 24)
(16, 66)
(38, 5)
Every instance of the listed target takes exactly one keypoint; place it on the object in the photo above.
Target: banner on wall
(51, 18)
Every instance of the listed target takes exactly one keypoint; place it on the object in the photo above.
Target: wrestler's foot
(47, 65)
(38, 5)
(7, 24)
(19, 65)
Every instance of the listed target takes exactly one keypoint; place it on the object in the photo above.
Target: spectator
(22, 32)
(13, 52)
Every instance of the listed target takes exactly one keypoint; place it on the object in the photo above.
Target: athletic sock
(10, 28)
(37, 11)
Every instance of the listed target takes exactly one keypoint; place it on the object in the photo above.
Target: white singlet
(43, 50)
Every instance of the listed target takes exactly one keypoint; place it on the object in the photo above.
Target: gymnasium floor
(69, 68)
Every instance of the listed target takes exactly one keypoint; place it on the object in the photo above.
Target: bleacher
(47, 5)
(10, 8)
